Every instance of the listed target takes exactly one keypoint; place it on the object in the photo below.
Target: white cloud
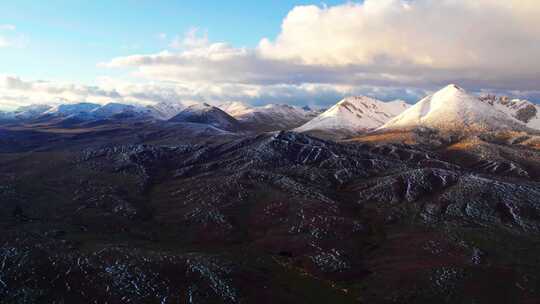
(10, 38)
(15, 92)
(161, 36)
(7, 27)
(190, 40)
(4, 42)
(417, 43)
(433, 34)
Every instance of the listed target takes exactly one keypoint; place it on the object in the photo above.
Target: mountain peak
(453, 87)
(452, 109)
(207, 114)
(354, 114)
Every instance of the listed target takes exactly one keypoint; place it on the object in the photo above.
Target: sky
(258, 52)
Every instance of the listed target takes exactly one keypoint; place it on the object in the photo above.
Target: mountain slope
(453, 109)
(31, 111)
(111, 110)
(236, 109)
(270, 117)
(73, 109)
(207, 114)
(355, 114)
(524, 111)
(165, 110)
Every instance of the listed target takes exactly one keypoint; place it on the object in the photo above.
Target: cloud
(7, 27)
(433, 34)
(161, 36)
(10, 38)
(191, 39)
(395, 43)
(4, 42)
(15, 92)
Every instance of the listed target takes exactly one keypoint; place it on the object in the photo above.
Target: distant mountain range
(233, 116)
(449, 109)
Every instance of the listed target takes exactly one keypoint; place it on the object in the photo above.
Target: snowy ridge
(165, 110)
(72, 109)
(207, 114)
(524, 111)
(274, 116)
(31, 111)
(236, 109)
(453, 109)
(25, 112)
(89, 111)
(111, 109)
(355, 114)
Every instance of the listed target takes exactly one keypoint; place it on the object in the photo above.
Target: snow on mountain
(453, 109)
(165, 110)
(270, 117)
(355, 114)
(72, 109)
(111, 110)
(24, 112)
(524, 111)
(69, 115)
(31, 111)
(236, 109)
(207, 114)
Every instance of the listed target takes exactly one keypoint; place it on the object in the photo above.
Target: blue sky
(294, 52)
(66, 39)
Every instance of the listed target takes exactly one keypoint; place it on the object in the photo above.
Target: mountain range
(366, 202)
(450, 109)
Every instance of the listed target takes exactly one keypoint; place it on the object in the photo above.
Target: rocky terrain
(151, 215)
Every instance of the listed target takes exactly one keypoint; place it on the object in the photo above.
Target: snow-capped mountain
(355, 114)
(207, 114)
(112, 110)
(31, 111)
(270, 117)
(524, 111)
(69, 114)
(453, 109)
(236, 109)
(165, 110)
(73, 109)
(24, 113)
